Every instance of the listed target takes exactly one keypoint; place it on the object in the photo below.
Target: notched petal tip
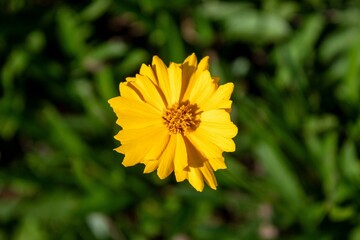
(191, 60)
(203, 64)
(151, 166)
(156, 60)
(114, 103)
(111, 101)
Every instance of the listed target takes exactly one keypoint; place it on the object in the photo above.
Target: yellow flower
(175, 119)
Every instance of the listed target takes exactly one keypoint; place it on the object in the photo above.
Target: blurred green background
(296, 69)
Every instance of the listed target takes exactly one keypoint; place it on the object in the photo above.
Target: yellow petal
(143, 138)
(209, 176)
(130, 158)
(195, 178)
(190, 61)
(188, 69)
(130, 79)
(129, 92)
(138, 144)
(119, 149)
(166, 160)
(181, 175)
(219, 99)
(203, 66)
(218, 122)
(208, 149)
(195, 158)
(215, 126)
(224, 143)
(151, 166)
(147, 71)
(217, 163)
(162, 76)
(135, 114)
(149, 92)
(180, 159)
(202, 89)
(162, 139)
(175, 81)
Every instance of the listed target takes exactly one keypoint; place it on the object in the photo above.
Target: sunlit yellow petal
(195, 178)
(217, 128)
(134, 114)
(131, 138)
(209, 176)
(138, 144)
(219, 99)
(202, 89)
(190, 61)
(147, 71)
(166, 160)
(217, 163)
(149, 92)
(180, 159)
(130, 79)
(127, 92)
(162, 76)
(188, 69)
(208, 149)
(151, 166)
(218, 122)
(162, 139)
(203, 66)
(226, 144)
(181, 175)
(175, 76)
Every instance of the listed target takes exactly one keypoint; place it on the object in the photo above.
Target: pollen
(180, 118)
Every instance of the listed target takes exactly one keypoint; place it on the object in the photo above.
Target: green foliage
(296, 69)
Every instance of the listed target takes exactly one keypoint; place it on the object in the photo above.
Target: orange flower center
(180, 118)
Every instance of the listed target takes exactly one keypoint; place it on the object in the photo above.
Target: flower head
(175, 119)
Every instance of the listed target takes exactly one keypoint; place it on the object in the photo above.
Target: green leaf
(350, 87)
(105, 83)
(174, 49)
(349, 162)
(15, 66)
(328, 166)
(62, 134)
(107, 50)
(280, 174)
(337, 43)
(72, 33)
(30, 229)
(256, 27)
(36, 41)
(95, 10)
(11, 108)
(342, 213)
(355, 233)
(131, 64)
(203, 33)
(218, 10)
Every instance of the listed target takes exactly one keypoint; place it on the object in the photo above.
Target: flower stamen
(180, 118)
